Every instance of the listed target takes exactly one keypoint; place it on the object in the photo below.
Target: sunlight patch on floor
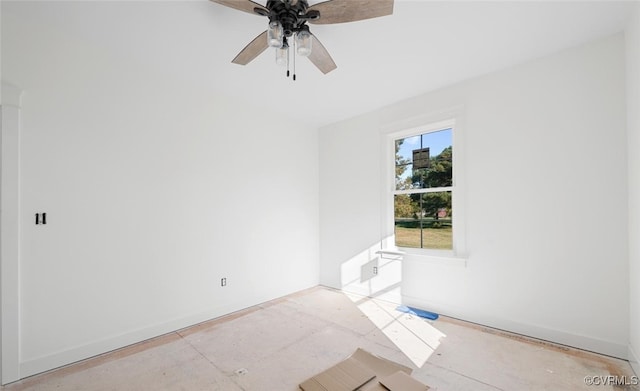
(416, 337)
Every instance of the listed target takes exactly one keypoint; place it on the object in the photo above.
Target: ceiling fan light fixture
(288, 26)
(304, 43)
(275, 34)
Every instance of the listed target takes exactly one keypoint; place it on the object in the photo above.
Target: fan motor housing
(292, 17)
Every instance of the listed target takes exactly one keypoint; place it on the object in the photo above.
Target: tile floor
(277, 345)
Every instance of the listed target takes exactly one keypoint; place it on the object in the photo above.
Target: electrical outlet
(223, 281)
(375, 270)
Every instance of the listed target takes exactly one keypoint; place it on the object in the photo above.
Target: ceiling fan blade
(341, 11)
(252, 50)
(320, 57)
(242, 5)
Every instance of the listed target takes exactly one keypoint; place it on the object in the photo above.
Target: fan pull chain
(287, 62)
(294, 60)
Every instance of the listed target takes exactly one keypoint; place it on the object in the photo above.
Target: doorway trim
(10, 234)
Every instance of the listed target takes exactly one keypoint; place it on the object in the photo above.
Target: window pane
(407, 221)
(424, 161)
(424, 220)
(403, 162)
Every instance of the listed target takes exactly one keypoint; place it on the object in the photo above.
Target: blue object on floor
(417, 312)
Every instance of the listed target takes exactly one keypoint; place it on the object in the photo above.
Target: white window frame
(453, 120)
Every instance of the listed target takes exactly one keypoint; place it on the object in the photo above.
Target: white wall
(546, 199)
(632, 38)
(154, 190)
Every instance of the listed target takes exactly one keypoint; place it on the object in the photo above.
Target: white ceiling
(424, 45)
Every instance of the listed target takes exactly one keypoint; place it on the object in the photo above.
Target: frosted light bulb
(275, 34)
(282, 55)
(304, 43)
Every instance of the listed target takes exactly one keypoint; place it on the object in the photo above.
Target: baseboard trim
(83, 352)
(78, 353)
(390, 296)
(634, 360)
(596, 345)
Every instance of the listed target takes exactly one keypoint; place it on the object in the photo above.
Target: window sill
(445, 258)
(397, 255)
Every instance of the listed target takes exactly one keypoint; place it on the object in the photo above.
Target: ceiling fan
(288, 27)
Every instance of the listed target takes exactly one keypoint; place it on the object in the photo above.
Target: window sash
(424, 190)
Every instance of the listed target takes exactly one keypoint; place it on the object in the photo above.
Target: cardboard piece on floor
(346, 375)
(381, 366)
(401, 381)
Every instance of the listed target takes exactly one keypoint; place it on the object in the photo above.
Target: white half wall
(155, 188)
(545, 171)
(632, 38)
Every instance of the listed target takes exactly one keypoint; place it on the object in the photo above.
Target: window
(422, 207)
